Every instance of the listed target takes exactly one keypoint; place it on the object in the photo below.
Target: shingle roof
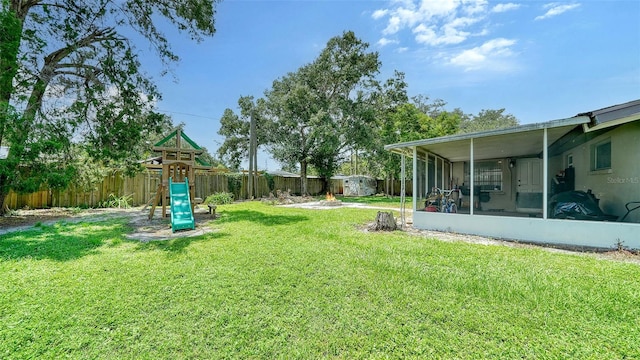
(614, 112)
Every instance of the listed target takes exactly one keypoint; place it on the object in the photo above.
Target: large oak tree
(70, 76)
(323, 109)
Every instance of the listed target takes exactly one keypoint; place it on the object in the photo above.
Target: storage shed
(359, 185)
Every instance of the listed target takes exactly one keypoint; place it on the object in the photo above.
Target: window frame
(569, 160)
(598, 152)
(497, 166)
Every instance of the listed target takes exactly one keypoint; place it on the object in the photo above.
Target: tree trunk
(384, 221)
(11, 34)
(303, 178)
(325, 185)
(4, 191)
(252, 157)
(356, 162)
(255, 166)
(393, 188)
(386, 185)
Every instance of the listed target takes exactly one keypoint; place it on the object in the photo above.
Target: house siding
(618, 185)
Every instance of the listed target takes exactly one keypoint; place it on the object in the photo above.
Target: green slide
(181, 214)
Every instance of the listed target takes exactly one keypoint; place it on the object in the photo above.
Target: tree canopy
(335, 108)
(71, 77)
(488, 120)
(415, 119)
(325, 107)
(236, 130)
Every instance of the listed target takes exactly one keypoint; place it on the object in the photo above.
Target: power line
(187, 114)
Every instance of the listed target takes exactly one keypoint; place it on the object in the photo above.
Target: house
(518, 173)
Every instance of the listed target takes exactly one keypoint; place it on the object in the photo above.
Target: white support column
(545, 172)
(415, 178)
(426, 174)
(403, 187)
(471, 179)
(442, 174)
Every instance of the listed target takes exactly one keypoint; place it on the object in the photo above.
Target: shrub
(219, 198)
(123, 202)
(271, 183)
(234, 181)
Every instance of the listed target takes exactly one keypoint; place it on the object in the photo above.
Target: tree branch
(52, 61)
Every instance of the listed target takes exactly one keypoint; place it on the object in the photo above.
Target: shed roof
(282, 173)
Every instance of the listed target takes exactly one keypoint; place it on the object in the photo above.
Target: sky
(539, 60)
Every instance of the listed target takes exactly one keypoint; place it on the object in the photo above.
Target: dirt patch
(143, 229)
(25, 217)
(159, 228)
(285, 198)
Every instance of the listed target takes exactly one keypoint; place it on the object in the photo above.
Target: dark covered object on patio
(578, 205)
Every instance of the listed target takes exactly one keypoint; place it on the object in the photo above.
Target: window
(601, 155)
(569, 161)
(488, 175)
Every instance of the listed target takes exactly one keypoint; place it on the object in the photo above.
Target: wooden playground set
(177, 162)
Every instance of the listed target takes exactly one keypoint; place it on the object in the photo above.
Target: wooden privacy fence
(142, 188)
(139, 188)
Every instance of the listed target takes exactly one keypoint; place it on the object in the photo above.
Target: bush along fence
(141, 189)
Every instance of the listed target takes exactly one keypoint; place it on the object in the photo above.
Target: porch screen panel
(420, 178)
(431, 178)
(447, 175)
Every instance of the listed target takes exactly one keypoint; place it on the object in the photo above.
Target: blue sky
(539, 60)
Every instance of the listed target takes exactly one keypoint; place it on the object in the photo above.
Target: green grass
(275, 282)
(378, 201)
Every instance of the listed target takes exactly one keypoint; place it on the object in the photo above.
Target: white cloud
(491, 55)
(434, 22)
(444, 28)
(385, 41)
(437, 8)
(500, 8)
(393, 26)
(556, 9)
(379, 13)
(475, 7)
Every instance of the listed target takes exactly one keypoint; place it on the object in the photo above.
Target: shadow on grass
(178, 245)
(61, 241)
(261, 218)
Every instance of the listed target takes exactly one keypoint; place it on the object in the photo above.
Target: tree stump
(384, 221)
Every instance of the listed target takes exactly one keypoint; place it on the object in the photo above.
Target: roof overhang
(612, 123)
(519, 141)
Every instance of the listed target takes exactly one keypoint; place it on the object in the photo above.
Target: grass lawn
(378, 201)
(276, 282)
